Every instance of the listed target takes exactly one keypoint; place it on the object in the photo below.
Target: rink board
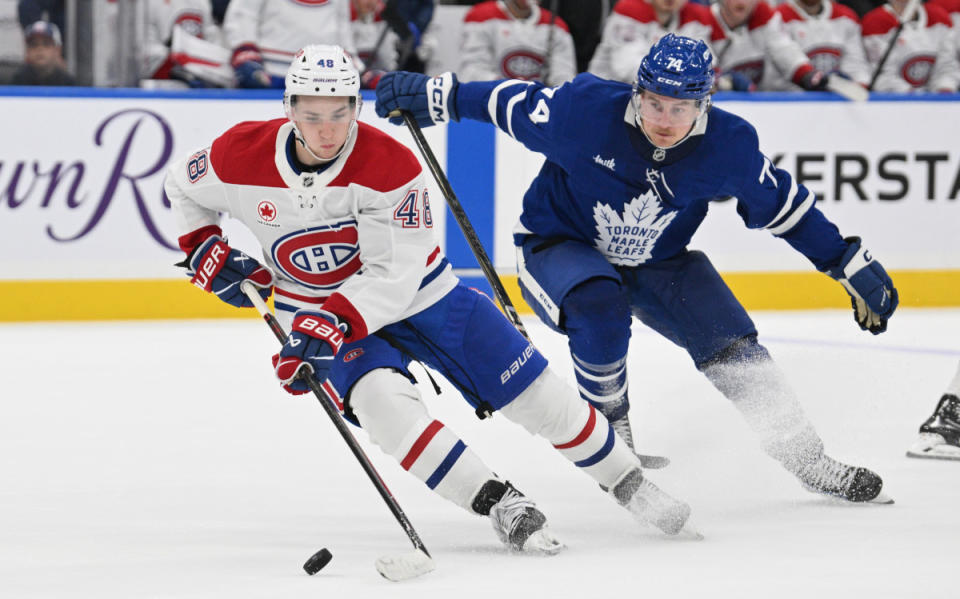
(87, 234)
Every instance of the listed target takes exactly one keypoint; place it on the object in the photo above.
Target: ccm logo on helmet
(320, 257)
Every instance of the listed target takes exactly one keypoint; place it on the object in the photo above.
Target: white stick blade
(404, 566)
(850, 90)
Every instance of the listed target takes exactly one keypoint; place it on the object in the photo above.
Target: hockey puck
(317, 561)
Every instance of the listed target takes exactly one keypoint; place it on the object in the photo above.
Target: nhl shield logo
(659, 154)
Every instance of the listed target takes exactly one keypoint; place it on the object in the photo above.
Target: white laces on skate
(521, 526)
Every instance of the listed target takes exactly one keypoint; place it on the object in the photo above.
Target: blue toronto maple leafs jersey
(605, 184)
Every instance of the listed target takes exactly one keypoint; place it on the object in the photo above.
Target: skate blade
(881, 499)
(687, 533)
(933, 447)
(542, 543)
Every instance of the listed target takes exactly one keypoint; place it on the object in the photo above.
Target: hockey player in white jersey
(923, 42)
(629, 176)
(829, 34)
(162, 16)
(940, 434)
(344, 220)
(516, 39)
(264, 35)
(635, 25)
(753, 52)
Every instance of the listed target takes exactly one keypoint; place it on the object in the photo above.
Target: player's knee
(598, 306)
(548, 407)
(742, 351)
(387, 406)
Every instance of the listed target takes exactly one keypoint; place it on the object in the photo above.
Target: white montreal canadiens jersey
(281, 27)
(831, 40)
(632, 29)
(924, 42)
(356, 238)
(193, 16)
(367, 31)
(758, 49)
(496, 45)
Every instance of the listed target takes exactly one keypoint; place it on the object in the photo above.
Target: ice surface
(160, 459)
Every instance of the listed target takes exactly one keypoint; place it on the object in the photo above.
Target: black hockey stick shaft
(909, 12)
(464, 221)
(331, 409)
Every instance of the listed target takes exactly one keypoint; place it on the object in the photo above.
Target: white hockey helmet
(321, 70)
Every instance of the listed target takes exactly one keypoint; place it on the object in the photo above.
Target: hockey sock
(597, 322)
(551, 409)
(746, 374)
(604, 386)
(388, 407)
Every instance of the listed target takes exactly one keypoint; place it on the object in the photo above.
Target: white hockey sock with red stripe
(552, 409)
(388, 407)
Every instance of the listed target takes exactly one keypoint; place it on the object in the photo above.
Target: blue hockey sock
(604, 386)
(597, 322)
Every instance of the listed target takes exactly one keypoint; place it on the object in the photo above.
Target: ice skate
(650, 505)
(850, 483)
(621, 426)
(940, 435)
(521, 526)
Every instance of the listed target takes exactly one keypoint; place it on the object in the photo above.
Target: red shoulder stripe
(637, 10)
(244, 155)
(485, 11)
(377, 162)
(761, 15)
(878, 21)
(789, 13)
(545, 20)
(695, 12)
(937, 15)
(842, 11)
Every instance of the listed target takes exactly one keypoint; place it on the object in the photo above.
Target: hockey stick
(647, 461)
(396, 567)
(909, 11)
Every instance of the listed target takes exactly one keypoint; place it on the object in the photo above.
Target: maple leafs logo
(627, 239)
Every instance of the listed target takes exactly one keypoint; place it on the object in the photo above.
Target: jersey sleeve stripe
(786, 205)
(494, 96)
(509, 110)
(795, 217)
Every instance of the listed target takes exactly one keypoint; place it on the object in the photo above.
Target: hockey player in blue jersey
(628, 178)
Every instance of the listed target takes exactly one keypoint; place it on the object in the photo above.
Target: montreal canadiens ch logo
(321, 257)
(916, 70)
(267, 211)
(522, 64)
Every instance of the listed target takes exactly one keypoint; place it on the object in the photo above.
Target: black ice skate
(850, 483)
(517, 521)
(940, 435)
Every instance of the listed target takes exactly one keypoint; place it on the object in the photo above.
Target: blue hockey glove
(216, 267)
(872, 294)
(248, 70)
(431, 100)
(311, 346)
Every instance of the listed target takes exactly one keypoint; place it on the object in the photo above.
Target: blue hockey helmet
(677, 67)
